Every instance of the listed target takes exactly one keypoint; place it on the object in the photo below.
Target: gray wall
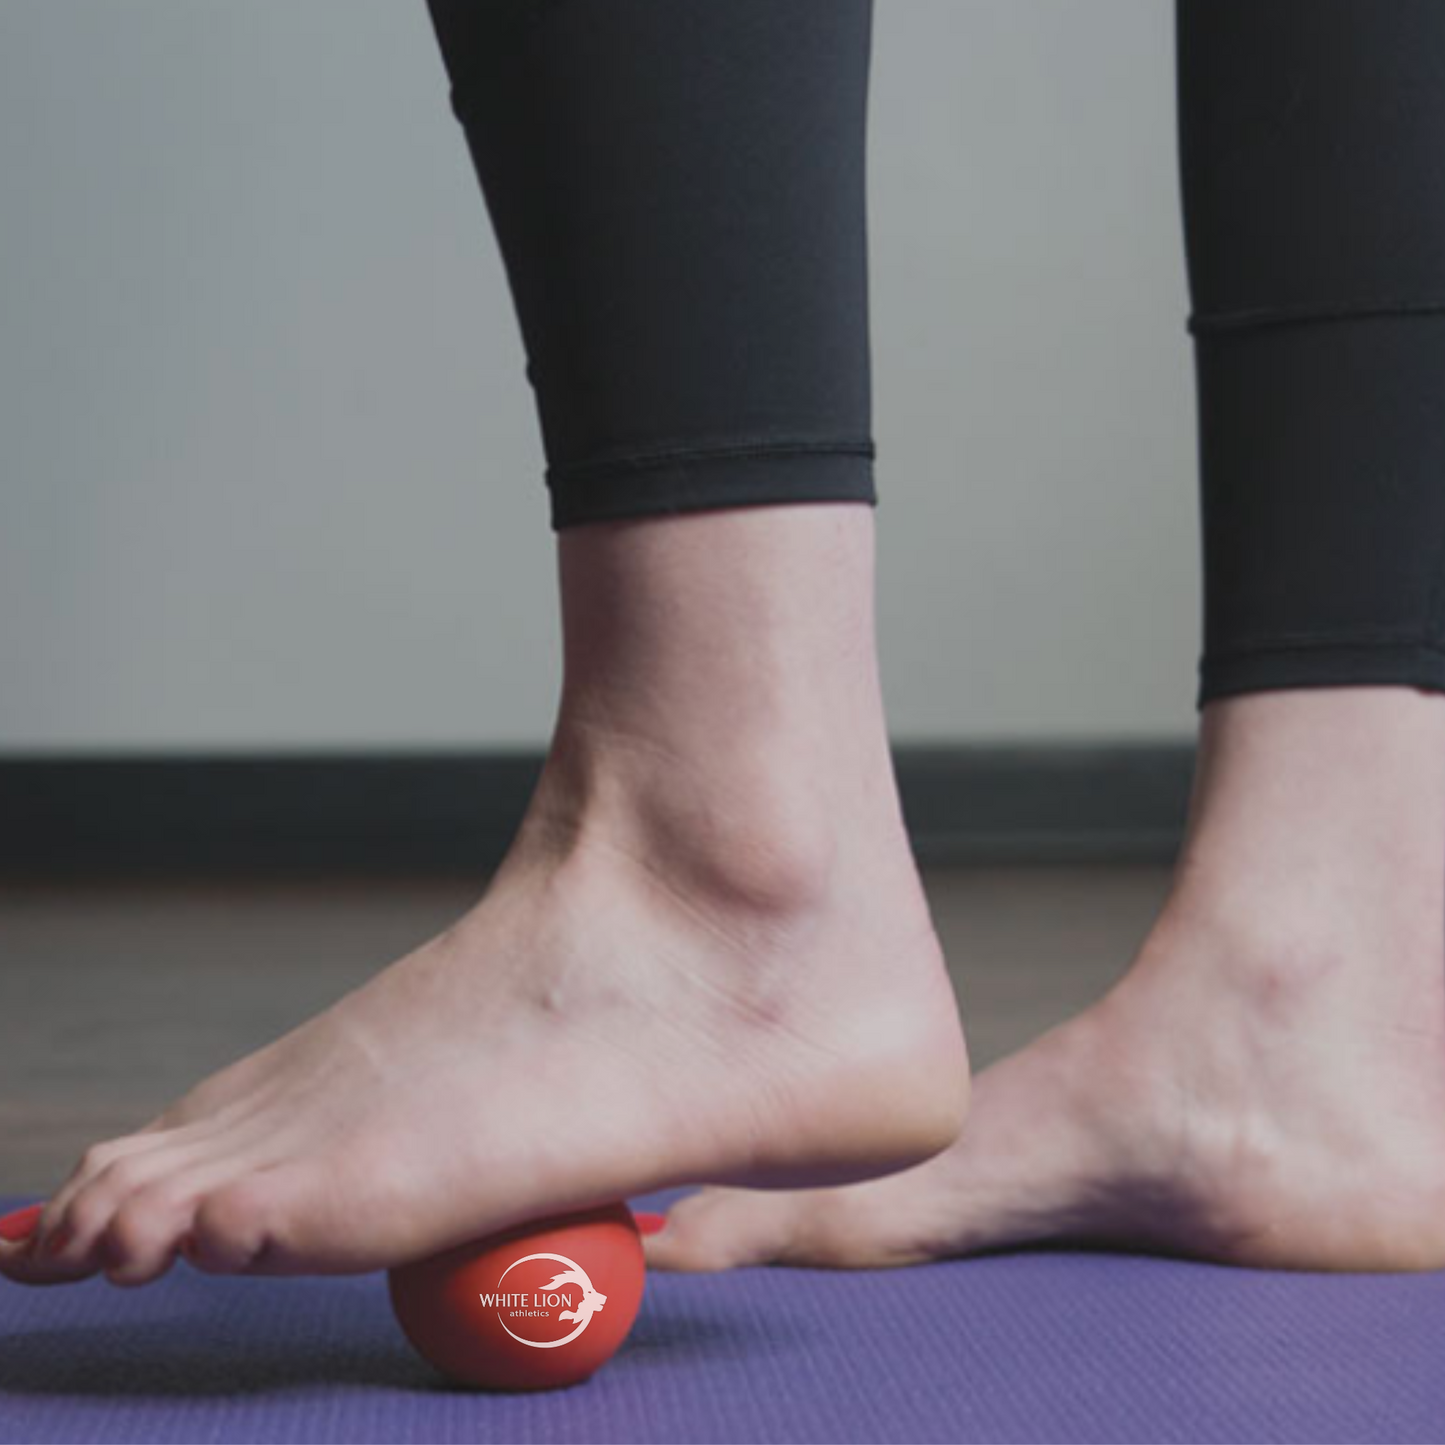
(269, 475)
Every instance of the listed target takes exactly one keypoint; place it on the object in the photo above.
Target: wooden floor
(115, 998)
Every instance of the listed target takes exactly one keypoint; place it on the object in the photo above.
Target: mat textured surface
(1026, 1347)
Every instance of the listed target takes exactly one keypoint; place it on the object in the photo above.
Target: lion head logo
(592, 1299)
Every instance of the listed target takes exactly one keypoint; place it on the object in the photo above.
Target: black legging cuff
(678, 193)
(1322, 453)
(1322, 662)
(694, 480)
(1313, 180)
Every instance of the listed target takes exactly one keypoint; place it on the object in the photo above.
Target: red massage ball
(533, 1308)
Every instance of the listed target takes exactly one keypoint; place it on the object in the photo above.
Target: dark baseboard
(1045, 803)
(397, 814)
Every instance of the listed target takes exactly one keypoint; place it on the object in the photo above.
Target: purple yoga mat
(1045, 1346)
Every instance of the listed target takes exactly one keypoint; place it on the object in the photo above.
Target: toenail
(650, 1223)
(20, 1224)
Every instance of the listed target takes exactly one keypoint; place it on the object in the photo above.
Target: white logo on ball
(591, 1301)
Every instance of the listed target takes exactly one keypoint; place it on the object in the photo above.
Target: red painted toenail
(20, 1223)
(650, 1223)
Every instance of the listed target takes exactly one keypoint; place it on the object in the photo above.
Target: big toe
(724, 1228)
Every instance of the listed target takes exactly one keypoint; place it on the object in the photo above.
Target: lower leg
(1265, 1086)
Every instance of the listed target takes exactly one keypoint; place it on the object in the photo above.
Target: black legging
(677, 188)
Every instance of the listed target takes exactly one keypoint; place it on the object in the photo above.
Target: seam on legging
(1437, 596)
(666, 456)
(1291, 641)
(1204, 323)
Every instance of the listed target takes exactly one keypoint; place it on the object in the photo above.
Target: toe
(96, 1161)
(853, 1227)
(71, 1239)
(17, 1239)
(20, 1259)
(276, 1220)
(719, 1229)
(144, 1233)
(20, 1265)
(229, 1231)
(63, 1248)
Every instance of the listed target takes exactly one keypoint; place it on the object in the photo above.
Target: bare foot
(707, 957)
(1266, 1086)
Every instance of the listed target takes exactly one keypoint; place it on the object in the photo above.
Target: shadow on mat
(163, 1360)
(191, 1358)
(668, 1334)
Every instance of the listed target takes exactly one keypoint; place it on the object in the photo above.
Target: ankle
(1241, 962)
(745, 830)
(721, 716)
(1328, 799)
(1317, 830)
